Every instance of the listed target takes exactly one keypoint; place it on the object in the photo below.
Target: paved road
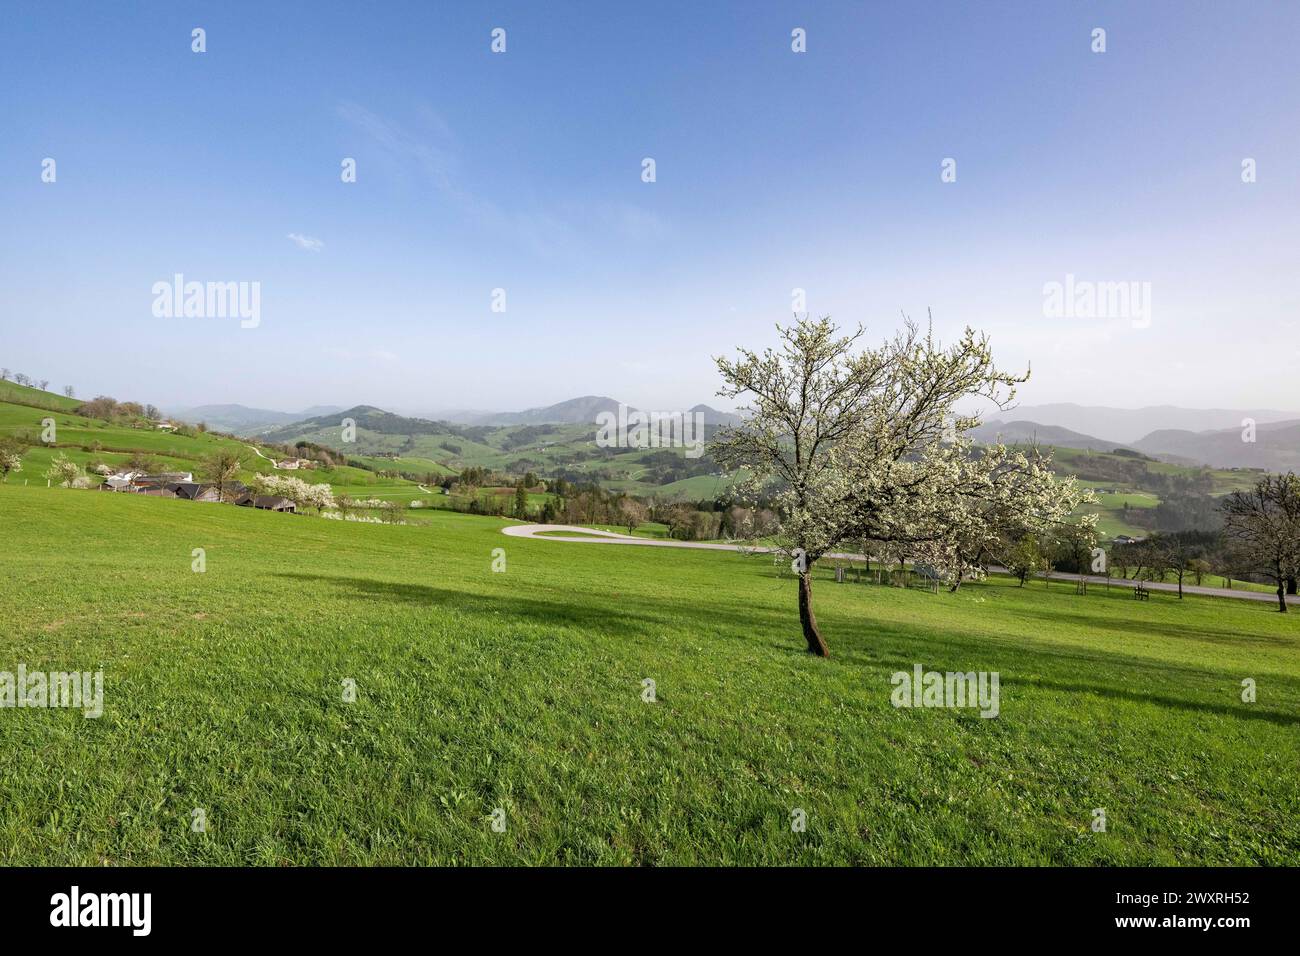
(593, 536)
(1166, 586)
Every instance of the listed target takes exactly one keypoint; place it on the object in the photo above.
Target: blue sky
(522, 171)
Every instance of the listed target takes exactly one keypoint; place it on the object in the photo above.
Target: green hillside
(16, 394)
(87, 441)
(523, 690)
(418, 446)
(426, 450)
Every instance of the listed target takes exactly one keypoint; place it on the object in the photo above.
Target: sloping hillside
(16, 394)
(90, 441)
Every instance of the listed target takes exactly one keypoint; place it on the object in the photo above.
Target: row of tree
(1258, 540)
(109, 409)
(20, 378)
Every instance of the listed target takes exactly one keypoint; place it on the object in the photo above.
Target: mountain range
(1273, 446)
(242, 420)
(1218, 437)
(1213, 436)
(574, 411)
(1129, 425)
(1026, 432)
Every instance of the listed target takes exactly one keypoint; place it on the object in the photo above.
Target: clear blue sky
(775, 170)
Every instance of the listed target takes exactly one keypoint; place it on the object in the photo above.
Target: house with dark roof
(192, 491)
(156, 487)
(266, 503)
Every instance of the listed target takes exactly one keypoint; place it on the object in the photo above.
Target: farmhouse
(293, 464)
(266, 503)
(192, 491)
(164, 485)
(149, 485)
(162, 477)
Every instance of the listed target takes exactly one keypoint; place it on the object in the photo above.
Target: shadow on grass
(896, 648)
(891, 647)
(1225, 636)
(636, 616)
(1035, 676)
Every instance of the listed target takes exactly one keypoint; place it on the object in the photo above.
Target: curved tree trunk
(1281, 599)
(806, 617)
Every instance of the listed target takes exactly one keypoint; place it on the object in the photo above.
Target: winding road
(546, 532)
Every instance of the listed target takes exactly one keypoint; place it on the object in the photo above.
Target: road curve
(595, 536)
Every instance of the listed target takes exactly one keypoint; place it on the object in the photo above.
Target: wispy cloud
(562, 230)
(307, 242)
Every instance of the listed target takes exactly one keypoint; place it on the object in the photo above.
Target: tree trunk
(1291, 585)
(806, 617)
(1281, 598)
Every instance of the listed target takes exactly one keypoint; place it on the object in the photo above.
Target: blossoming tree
(857, 443)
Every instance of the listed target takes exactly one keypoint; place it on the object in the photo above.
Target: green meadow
(523, 690)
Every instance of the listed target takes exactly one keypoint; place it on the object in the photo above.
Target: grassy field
(523, 690)
(1207, 580)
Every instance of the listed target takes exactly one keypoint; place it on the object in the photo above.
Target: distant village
(181, 484)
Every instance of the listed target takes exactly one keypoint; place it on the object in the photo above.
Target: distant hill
(1129, 424)
(1276, 446)
(1025, 432)
(243, 420)
(366, 417)
(571, 412)
(575, 411)
(714, 417)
